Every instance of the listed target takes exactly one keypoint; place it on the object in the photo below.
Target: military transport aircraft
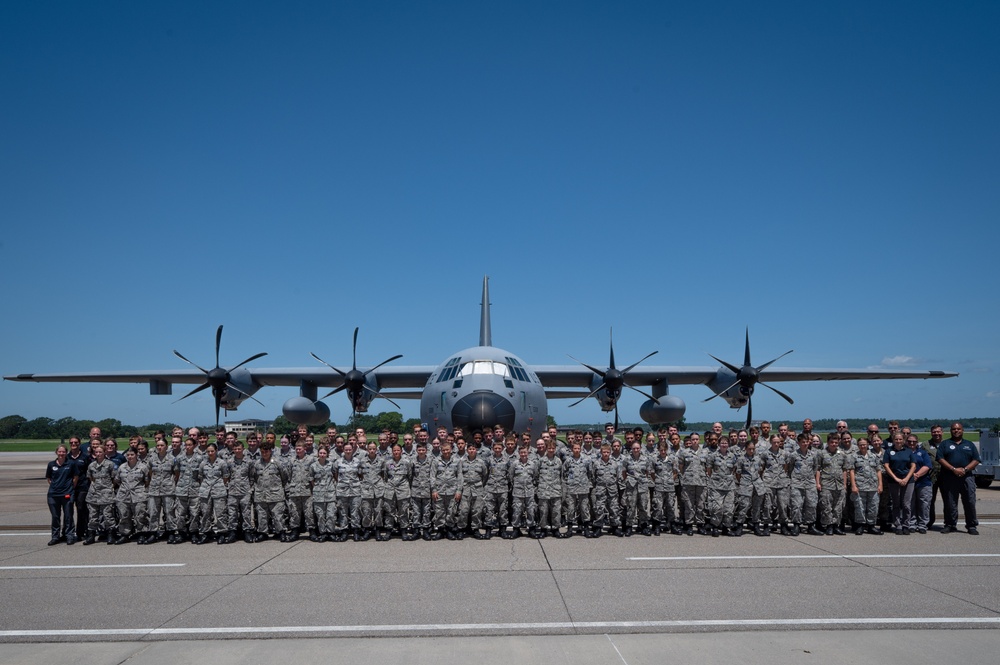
(478, 387)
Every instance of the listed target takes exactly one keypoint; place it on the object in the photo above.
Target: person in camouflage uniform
(578, 476)
(663, 491)
(472, 507)
(607, 510)
(348, 472)
(637, 470)
(805, 486)
(396, 496)
(749, 492)
(162, 476)
(721, 471)
(101, 497)
(866, 486)
(446, 491)
(498, 490)
(549, 494)
(777, 483)
(421, 504)
(524, 483)
(691, 463)
(239, 500)
(298, 494)
(213, 476)
(132, 480)
(269, 478)
(833, 467)
(324, 495)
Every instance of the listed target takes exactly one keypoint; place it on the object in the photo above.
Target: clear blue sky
(826, 173)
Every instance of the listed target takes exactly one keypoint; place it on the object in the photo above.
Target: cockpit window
(517, 370)
(484, 367)
(450, 370)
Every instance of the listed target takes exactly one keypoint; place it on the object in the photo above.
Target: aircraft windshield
(484, 367)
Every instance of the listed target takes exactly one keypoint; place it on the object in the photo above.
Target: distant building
(244, 427)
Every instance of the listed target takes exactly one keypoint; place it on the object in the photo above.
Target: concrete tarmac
(618, 600)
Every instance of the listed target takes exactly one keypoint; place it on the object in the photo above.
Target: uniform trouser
(214, 514)
(82, 513)
(131, 516)
(847, 514)
(804, 500)
(240, 512)
(902, 500)
(607, 510)
(471, 510)
(396, 513)
(369, 515)
(663, 506)
(445, 510)
(933, 507)
(496, 510)
(160, 511)
(270, 516)
(694, 504)
(748, 507)
(866, 504)
(721, 507)
(102, 517)
(186, 513)
(549, 512)
(679, 502)
(348, 512)
(637, 510)
(776, 502)
(61, 509)
(831, 501)
(378, 511)
(300, 513)
(421, 511)
(920, 508)
(885, 507)
(324, 516)
(578, 509)
(954, 487)
(523, 512)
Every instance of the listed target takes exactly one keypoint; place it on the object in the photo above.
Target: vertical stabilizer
(485, 334)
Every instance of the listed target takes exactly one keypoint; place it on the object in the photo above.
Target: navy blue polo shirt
(958, 453)
(61, 476)
(899, 461)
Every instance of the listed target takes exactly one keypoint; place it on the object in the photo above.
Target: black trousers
(953, 488)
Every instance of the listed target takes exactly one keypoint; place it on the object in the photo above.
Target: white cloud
(993, 393)
(899, 361)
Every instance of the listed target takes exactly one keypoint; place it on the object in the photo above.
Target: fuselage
(481, 387)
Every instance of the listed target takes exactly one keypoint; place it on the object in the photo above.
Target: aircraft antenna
(485, 332)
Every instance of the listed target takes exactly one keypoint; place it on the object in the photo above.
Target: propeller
(613, 379)
(354, 380)
(748, 376)
(218, 378)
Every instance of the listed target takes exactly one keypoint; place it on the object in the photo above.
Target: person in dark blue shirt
(62, 476)
(82, 461)
(899, 468)
(958, 458)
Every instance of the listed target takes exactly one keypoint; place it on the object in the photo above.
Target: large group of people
(444, 484)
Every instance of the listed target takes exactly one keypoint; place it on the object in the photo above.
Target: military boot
(314, 535)
(91, 537)
(813, 531)
(736, 532)
(657, 529)
(109, 537)
(758, 530)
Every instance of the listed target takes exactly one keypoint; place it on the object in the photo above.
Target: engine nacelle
(606, 400)
(737, 396)
(669, 410)
(303, 411)
(231, 399)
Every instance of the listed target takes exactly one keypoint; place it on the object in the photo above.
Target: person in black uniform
(958, 458)
(82, 461)
(62, 475)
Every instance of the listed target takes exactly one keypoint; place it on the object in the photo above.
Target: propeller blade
(719, 394)
(250, 359)
(787, 398)
(642, 392)
(593, 369)
(396, 357)
(229, 385)
(616, 416)
(196, 390)
(611, 337)
(732, 368)
(177, 353)
(378, 394)
(333, 392)
(218, 343)
(218, 401)
(327, 364)
(354, 351)
(768, 364)
(599, 389)
(630, 367)
(749, 411)
(746, 349)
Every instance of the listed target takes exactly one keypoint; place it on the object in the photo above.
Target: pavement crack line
(552, 572)
(221, 588)
(889, 571)
(138, 652)
(615, 646)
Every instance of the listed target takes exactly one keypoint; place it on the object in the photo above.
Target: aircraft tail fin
(485, 332)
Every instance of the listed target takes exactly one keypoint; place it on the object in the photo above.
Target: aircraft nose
(483, 410)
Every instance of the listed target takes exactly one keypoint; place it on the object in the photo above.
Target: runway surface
(606, 600)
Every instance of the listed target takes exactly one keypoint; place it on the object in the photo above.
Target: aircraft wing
(388, 377)
(576, 376)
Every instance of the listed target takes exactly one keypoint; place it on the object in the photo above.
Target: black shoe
(248, 537)
(121, 540)
(906, 530)
(689, 530)
(628, 532)
(766, 530)
(54, 541)
(973, 531)
(702, 531)
(714, 532)
(921, 530)
(737, 532)
(813, 531)
(109, 537)
(898, 531)
(220, 538)
(829, 530)
(676, 529)
(838, 531)
(647, 530)
(794, 530)
(70, 539)
(90, 539)
(860, 530)
(948, 529)
(758, 530)
(314, 535)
